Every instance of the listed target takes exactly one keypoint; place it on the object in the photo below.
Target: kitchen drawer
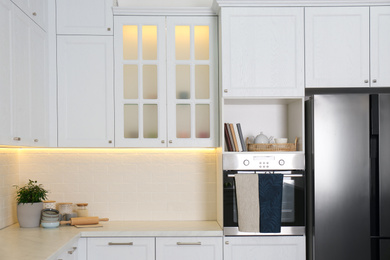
(189, 248)
(120, 248)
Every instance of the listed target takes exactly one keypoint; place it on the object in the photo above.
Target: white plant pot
(29, 214)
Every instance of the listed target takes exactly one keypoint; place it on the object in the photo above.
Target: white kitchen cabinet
(125, 248)
(35, 9)
(166, 94)
(29, 91)
(85, 91)
(86, 17)
(270, 248)
(337, 46)
(5, 71)
(192, 78)
(380, 46)
(262, 51)
(76, 251)
(189, 248)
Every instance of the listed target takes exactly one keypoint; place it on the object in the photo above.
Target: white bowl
(280, 140)
(52, 224)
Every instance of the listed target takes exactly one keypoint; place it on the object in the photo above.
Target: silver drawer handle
(17, 138)
(120, 244)
(72, 251)
(189, 243)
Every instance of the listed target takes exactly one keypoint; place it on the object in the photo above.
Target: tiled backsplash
(8, 177)
(128, 184)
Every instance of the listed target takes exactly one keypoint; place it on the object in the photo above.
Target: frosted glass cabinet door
(262, 51)
(85, 91)
(380, 46)
(337, 46)
(140, 82)
(192, 73)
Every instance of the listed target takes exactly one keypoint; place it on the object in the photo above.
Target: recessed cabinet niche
(165, 83)
(277, 117)
(262, 51)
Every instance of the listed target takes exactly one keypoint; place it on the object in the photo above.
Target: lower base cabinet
(267, 247)
(126, 248)
(75, 251)
(189, 248)
(155, 248)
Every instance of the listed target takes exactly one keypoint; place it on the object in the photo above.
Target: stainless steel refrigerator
(348, 171)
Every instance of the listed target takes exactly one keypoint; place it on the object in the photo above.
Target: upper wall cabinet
(348, 46)
(85, 91)
(92, 17)
(166, 94)
(262, 51)
(337, 47)
(5, 71)
(23, 78)
(35, 9)
(380, 46)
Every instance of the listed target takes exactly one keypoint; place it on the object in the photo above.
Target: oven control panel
(263, 161)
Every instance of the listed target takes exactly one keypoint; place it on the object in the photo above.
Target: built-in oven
(293, 193)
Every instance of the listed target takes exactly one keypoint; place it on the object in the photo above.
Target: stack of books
(234, 139)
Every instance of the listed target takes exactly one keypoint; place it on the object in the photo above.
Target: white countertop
(43, 243)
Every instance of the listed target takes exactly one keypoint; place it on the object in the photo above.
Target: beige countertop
(44, 243)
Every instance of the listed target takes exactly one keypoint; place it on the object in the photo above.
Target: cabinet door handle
(374, 81)
(120, 244)
(72, 251)
(170, 141)
(110, 141)
(36, 140)
(17, 138)
(225, 90)
(189, 243)
(108, 29)
(163, 141)
(34, 14)
(366, 81)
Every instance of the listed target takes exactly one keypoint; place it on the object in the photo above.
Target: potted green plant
(30, 199)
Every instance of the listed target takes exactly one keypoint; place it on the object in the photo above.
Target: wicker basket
(272, 147)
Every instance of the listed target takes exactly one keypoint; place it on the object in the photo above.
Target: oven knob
(281, 162)
(246, 162)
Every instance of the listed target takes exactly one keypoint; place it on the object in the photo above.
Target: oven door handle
(284, 175)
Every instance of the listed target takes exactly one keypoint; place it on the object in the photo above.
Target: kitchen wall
(8, 176)
(128, 184)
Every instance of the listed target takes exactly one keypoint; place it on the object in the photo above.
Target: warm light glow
(149, 42)
(201, 36)
(116, 150)
(130, 42)
(182, 42)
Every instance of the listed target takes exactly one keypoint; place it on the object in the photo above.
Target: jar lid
(82, 204)
(49, 201)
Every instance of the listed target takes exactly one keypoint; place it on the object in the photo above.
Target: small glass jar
(82, 210)
(49, 204)
(65, 208)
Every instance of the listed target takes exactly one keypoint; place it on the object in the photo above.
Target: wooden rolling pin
(84, 221)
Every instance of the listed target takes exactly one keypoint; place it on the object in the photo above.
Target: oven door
(293, 203)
